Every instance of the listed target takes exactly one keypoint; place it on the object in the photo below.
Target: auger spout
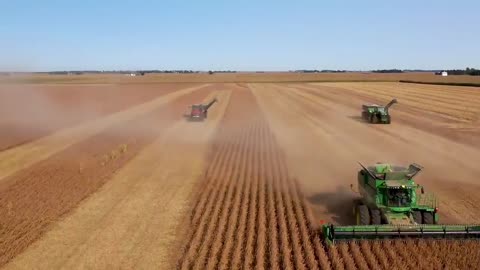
(393, 101)
(206, 107)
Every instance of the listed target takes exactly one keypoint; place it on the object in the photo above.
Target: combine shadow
(339, 204)
(187, 118)
(357, 118)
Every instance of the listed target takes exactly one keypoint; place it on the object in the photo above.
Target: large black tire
(417, 217)
(364, 116)
(363, 216)
(376, 217)
(428, 218)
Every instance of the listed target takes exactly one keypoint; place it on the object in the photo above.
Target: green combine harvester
(377, 114)
(392, 205)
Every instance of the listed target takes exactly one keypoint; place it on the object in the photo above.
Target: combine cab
(377, 114)
(198, 112)
(392, 205)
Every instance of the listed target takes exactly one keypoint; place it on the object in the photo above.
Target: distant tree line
(473, 72)
(140, 72)
(387, 71)
(467, 71)
(307, 71)
(319, 71)
(224, 71)
(332, 71)
(170, 71)
(70, 72)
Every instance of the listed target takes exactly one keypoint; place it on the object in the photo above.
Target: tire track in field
(248, 211)
(34, 198)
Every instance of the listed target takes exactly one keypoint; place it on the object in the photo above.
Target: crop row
(249, 213)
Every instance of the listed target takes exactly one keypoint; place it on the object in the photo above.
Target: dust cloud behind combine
(31, 111)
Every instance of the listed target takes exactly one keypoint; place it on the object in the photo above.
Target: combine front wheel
(363, 217)
(417, 217)
(388, 120)
(428, 218)
(376, 217)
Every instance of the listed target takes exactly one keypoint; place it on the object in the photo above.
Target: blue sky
(238, 35)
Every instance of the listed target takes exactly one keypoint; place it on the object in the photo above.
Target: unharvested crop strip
(261, 255)
(391, 253)
(291, 187)
(347, 256)
(239, 242)
(218, 160)
(249, 255)
(215, 220)
(335, 257)
(253, 220)
(231, 207)
(235, 220)
(292, 222)
(274, 242)
(214, 177)
(380, 254)
(276, 258)
(358, 256)
(201, 225)
(285, 237)
(407, 258)
(370, 258)
(320, 249)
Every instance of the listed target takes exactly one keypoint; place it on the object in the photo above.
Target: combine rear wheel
(376, 217)
(417, 217)
(362, 215)
(428, 218)
(364, 115)
(388, 120)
